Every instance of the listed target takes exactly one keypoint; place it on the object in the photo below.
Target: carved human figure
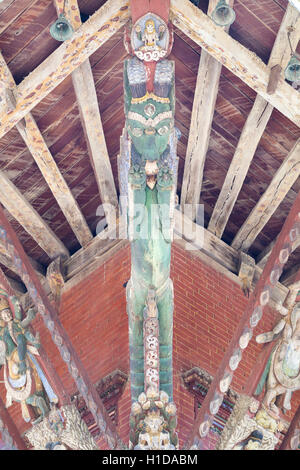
(284, 365)
(18, 348)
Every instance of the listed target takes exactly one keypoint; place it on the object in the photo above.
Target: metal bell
(223, 14)
(292, 71)
(61, 30)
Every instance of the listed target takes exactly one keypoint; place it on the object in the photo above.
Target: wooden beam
(281, 183)
(205, 96)
(99, 28)
(249, 319)
(253, 130)
(56, 182)
(37, 146)
(198, 238)
(87, 102)
(10, 241)
(291, 439)
(46, 364)
(31, 221)
(237, 58)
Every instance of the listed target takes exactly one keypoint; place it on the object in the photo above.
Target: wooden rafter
(281, 183)
(253, 129)
(87, 101)
(37, 146)
(16, 204)
(205, 96)
(109, 19)
(251, 316)
(10, 430)
(237, 58)
(63, 61)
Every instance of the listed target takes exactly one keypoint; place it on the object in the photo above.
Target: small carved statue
(282, 374)
(23, 377)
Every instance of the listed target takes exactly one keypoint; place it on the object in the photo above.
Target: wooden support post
(249, 320)
(60, 337)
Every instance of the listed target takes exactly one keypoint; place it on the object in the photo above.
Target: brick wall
(208, 306)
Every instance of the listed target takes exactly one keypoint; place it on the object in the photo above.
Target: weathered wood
(239, 60)
(6, 260)
(248, 142)
(199, 238)
(56, 182)
(281, 183)
(87, 102)
(291, 439)
(65, 59)
(31, 221)
(246, 272)
(250, 317)
(37, 146)
(205, 96)
(50, 372)
(59, 335)
(275, 73)
(252, 132)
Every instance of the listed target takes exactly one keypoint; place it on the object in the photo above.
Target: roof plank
(253, 130)
(87, 102)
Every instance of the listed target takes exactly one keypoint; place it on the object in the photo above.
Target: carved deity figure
(23, 378)
(282, 374)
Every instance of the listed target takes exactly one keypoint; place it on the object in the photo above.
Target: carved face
(6, 315)
(149, 124)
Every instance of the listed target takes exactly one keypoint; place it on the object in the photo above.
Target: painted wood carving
(282, 373)
(148, 173)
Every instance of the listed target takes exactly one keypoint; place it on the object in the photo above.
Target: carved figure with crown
(24, 379)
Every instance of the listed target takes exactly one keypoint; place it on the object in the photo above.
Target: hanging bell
(223, 14)
(292, 71)
(61, 30)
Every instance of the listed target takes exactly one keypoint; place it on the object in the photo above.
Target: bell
(61, 30)
(223, 14)
(292, 71)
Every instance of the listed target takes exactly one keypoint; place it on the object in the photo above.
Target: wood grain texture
(270, 200)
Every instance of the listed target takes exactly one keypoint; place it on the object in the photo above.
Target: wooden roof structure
(62, 115)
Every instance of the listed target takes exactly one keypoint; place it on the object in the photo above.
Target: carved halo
(162, 44)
